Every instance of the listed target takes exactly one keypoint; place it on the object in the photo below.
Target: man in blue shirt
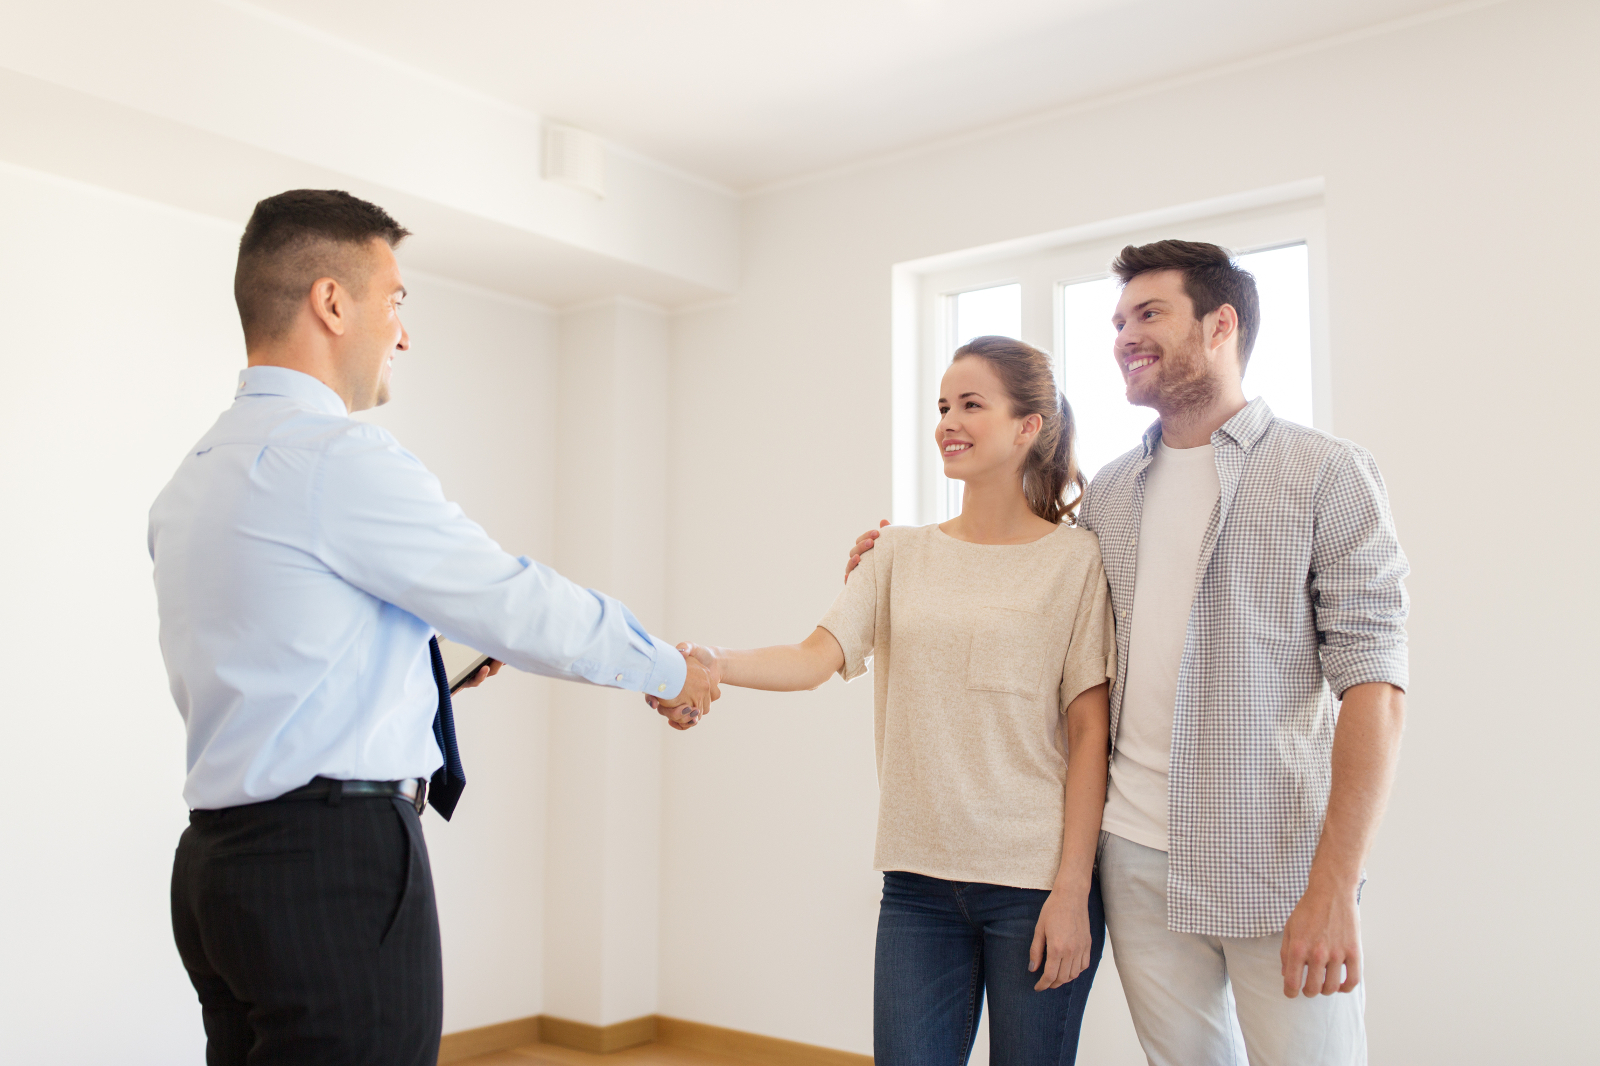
(303, 563)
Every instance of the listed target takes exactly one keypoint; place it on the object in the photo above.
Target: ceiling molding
(1290, 192)
(995, 130)
(185, 102)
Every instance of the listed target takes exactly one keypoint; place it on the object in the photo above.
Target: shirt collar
(1248, 425)
(1244, 428)
(1152, 437)
(297, 386)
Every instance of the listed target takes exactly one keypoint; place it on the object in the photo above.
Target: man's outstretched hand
(864, 544)
(701, 686)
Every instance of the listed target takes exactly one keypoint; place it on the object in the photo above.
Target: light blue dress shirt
(303, 560)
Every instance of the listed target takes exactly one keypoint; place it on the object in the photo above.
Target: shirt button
(662, 688)
(619, 677)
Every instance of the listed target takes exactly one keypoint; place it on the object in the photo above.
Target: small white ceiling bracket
(575, 158)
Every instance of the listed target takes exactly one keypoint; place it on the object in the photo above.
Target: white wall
(604, 845)
(120, 344)
(1458, 156)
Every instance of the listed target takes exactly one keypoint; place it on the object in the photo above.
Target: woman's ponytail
(1051, 480)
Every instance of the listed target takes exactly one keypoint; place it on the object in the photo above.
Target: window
(984, 312)
(1055, 293)
(977, 313)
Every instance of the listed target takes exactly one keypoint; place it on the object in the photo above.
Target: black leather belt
(414, 789)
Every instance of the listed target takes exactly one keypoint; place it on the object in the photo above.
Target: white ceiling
(749, 92)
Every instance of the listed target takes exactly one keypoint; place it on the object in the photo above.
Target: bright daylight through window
(988, 312)
(996, 310)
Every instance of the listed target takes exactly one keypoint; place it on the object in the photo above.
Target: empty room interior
(681, 280)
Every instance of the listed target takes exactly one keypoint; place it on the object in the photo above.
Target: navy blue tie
(448, 781)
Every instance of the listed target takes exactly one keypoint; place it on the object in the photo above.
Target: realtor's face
(1159, 348)
(377, 334)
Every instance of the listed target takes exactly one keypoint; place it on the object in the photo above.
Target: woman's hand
(1061, 940)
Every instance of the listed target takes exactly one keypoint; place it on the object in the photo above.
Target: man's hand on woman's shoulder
(864, 544)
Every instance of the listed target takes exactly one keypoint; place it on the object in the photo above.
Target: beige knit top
(979, 649)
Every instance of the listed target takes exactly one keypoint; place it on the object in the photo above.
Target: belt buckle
(420, 800)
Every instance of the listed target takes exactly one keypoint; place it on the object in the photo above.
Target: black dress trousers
(310, 933)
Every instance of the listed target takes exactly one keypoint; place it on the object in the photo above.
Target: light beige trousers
(1213, 1000)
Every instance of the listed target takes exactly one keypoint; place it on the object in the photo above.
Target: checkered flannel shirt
(1299, 595)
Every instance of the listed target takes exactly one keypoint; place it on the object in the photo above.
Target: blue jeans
(941, 945)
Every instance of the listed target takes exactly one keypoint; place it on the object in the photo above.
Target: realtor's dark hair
(1210, 277)
(1051, 469)
(294, 238)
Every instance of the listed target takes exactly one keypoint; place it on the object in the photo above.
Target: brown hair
(1210, 277)
(1030, 383)
(293, 239)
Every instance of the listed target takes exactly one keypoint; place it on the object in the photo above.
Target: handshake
(700, 688)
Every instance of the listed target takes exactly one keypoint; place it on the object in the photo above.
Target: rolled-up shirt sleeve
(1358, 576)
(384, 525)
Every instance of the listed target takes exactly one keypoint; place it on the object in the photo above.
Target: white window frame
(924, 305)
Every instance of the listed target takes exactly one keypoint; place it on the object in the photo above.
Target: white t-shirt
(1180, 494)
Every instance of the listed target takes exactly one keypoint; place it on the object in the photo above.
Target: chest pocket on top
(1008, 651)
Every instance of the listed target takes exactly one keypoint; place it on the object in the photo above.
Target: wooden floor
(648, 1055)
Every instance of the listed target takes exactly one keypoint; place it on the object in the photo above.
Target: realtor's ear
(330, 305)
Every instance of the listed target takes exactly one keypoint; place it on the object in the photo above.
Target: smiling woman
(991, 639)
(996, 384)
